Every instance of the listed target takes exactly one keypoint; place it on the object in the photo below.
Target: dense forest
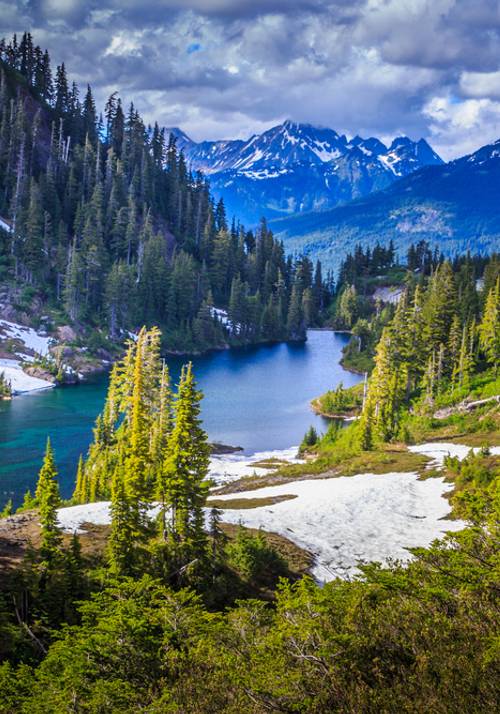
(364, 305)
(172, 614)
(107, 226)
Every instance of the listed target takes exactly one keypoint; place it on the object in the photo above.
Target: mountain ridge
(454, 206)
(294, 167)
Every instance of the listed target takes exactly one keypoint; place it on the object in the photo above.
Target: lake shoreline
(255, 398)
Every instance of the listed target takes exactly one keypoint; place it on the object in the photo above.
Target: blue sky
(230, 68)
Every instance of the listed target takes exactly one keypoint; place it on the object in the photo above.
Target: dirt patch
(238, 503)
(21, 531)
(272, 463)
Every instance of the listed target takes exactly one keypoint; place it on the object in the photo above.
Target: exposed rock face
(40, 373)
(295, 168)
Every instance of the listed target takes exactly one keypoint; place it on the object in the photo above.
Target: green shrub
(253, 558)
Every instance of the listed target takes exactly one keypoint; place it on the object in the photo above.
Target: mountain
(294, 168)
(455, 206)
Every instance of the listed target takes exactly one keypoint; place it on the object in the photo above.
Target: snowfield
(32, 340)
(230, 467)
(19, 380)
(345, 520)
(342, 521)
(438, 451)
(12, 368)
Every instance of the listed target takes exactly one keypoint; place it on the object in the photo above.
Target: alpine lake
(257, 398)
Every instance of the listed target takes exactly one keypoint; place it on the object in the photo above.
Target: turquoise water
(257, 398)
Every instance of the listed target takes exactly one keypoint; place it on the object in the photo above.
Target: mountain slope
(455, 205)
(293, 168)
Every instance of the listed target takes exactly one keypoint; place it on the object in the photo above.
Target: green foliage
(489, 329)
(402, 639)
(29, 502)
(477, 481)
(253, 558)
(112, 229)
(430, 348)
(48, 501)
(310, 439)
(341, 400)
(7, 509)
(5, 387)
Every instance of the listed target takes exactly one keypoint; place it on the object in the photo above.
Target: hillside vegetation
(168, 616)
(453, 206)
(108, 230)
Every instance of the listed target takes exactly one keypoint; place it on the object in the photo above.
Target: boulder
(65, 333)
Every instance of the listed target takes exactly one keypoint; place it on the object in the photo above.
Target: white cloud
(460, 127)
(481, 84)
(382, 67)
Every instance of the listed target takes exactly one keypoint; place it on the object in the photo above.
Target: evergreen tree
(110, 224)
(186, 468)
(295, 319)
(489, 329)
(48, 501)
(122, 544)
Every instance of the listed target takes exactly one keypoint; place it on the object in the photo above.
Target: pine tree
(439, 307)
(348, 307)
(29, 502)
(186, 468)
(454, 343)
(48, 501)
(61, 105)
(7, 510)
(295, 319)
(217, 535)
(122, 550)
(386, 390)
(92, 197)
(82, 492)
(489, 329)
(465, 362)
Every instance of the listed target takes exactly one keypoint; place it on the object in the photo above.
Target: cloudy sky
(230, 68)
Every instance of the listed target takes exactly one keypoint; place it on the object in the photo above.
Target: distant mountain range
(455, 205)
(295, 168)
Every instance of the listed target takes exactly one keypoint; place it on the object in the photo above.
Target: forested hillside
(453, 206)
(107, 228)
(371, 282)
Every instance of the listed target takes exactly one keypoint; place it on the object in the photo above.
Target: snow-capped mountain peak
(296, 167)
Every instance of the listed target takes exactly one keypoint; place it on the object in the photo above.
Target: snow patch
(230, 467)
(390, 295)
(389, 162)
(342, 521)
(439, 451)
(347, 520)
(21, 382)
(31, 339)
